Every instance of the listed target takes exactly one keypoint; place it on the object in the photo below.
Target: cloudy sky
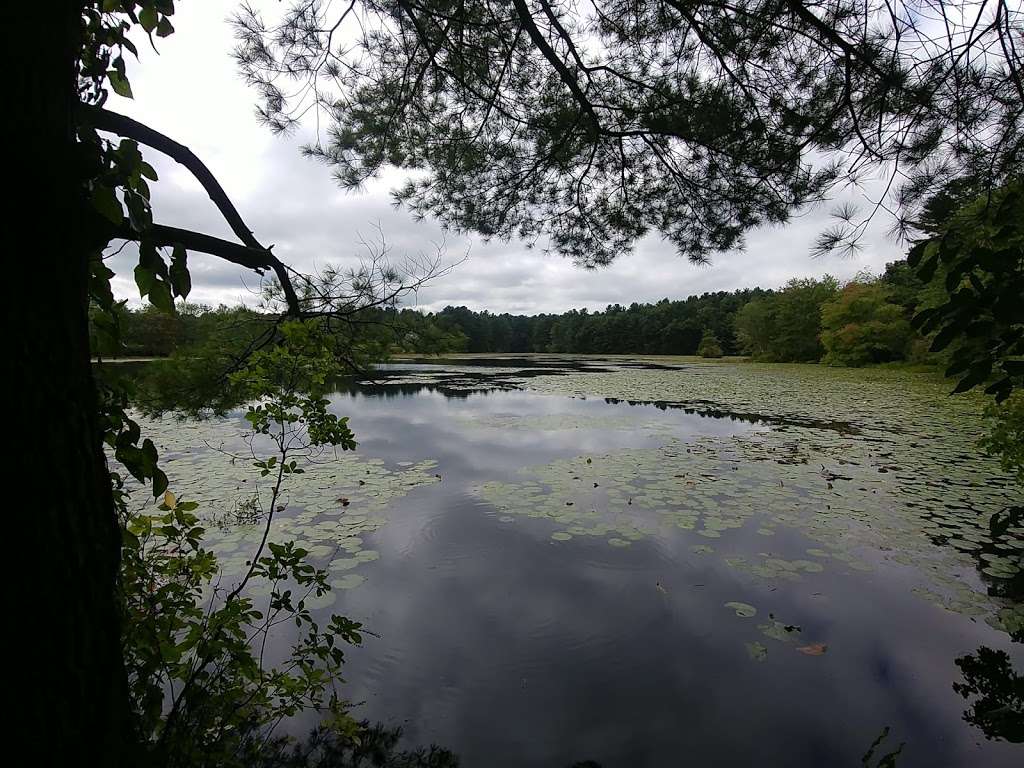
(192, 92)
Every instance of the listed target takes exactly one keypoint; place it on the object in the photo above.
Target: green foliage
(786, 325)
(755, 328)
(288, 380)
(973, 264)
(1005, 437)
(797, 318)
(422, 334)
(199, 689)
(904, 287)
(201, 693)
(117, 175)
(779, 326)
(709, 346)
(997, 692)
(663, 328)
(199, 347)
(377, 746)
(979, 251)
(861, 326)
(123, 437)
(106, 26)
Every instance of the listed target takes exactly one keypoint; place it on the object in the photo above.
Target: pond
(651, 562)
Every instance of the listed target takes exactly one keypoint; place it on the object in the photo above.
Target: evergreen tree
(592, 124)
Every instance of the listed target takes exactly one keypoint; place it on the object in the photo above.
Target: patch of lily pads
(327, 510)
(879, 469)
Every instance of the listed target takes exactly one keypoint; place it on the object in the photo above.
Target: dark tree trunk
(71, 696)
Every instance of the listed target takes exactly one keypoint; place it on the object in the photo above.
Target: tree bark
(71, 698)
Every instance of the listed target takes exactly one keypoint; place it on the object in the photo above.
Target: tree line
(148, 332)
(866, 320)
(862, 322)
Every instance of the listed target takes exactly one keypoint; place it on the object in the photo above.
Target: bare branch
(112, 122)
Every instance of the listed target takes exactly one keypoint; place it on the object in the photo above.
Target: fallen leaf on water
(814, 649)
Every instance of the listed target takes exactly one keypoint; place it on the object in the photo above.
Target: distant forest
(864, 321)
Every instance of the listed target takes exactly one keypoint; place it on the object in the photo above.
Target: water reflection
(384, 747)
(877, 756)
(514, 650)
(510, 649)
(996, 694)
(711, 411)
(378, 746)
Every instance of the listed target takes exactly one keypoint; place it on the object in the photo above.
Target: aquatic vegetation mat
(340, 497)
(874, 468)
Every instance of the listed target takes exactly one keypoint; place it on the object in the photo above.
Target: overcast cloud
(192, 92)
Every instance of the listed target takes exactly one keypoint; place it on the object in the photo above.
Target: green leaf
(159, 483)
(181, 281)
(160, 296)
(120, 84)
(915, 254)
(757, 651)
(105, 201)
(150, 259)
(144, 278)
(148, 18)
(977, 375)
(927, 269)
(944, 337)
(139, 215)
(918, 320)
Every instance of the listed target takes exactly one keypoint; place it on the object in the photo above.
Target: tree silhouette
(590, 124)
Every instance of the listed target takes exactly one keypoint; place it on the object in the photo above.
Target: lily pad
(743, 610)
(757, 651)
(348, 581)
(778, 630)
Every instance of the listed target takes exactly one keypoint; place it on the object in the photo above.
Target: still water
(576, 580)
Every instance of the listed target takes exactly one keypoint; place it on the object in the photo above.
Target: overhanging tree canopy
(591, 123)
